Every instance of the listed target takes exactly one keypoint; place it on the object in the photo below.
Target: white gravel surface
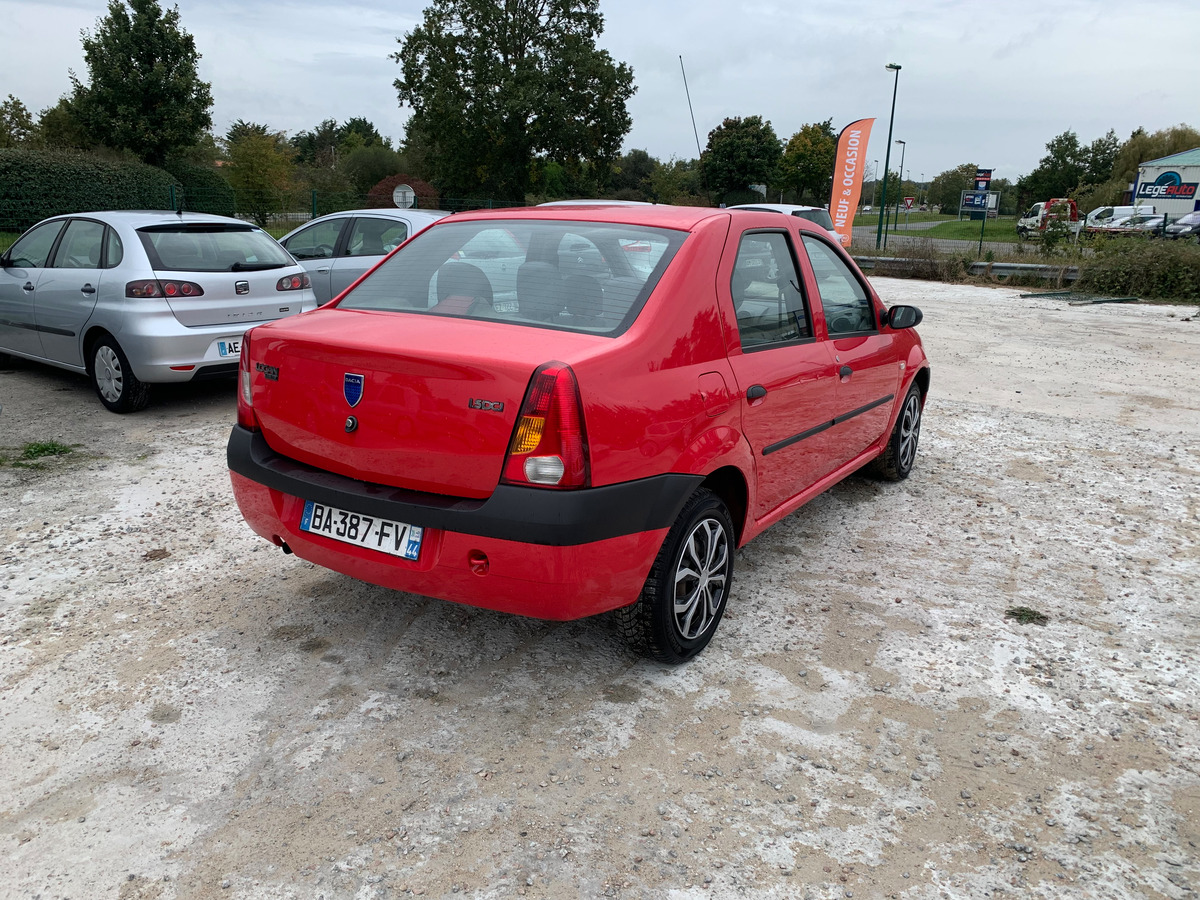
(186, 712)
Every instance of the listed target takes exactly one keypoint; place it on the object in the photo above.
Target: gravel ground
(186, 712)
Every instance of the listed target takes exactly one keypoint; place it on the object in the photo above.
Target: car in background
(1186, 227)
(338, 248)
(1109, 215)
(815, 214)
(1126, 226)
(132, 299)
(599, 434)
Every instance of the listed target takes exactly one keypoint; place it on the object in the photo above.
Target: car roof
(683, 218)
(390, 211)
(137, 218)
(778, 207)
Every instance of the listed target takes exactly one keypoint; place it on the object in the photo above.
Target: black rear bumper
(531, 515)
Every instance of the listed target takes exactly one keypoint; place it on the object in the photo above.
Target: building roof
(1186, 158)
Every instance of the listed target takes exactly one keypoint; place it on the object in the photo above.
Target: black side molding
(532, 515)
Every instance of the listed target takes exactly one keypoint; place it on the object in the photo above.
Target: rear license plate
(383, 535)
(229, 348)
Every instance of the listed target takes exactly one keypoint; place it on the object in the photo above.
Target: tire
(898, 457)
(695, 561)
(112, 377)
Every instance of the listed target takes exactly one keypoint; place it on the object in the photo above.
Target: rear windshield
(575, 276)
(818, 216)
(191, 247)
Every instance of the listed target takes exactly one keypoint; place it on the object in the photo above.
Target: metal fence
(276, 211)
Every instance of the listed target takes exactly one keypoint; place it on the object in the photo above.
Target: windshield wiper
(254, 267)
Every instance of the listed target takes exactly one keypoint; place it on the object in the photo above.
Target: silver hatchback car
(338, 248)
(134, 298)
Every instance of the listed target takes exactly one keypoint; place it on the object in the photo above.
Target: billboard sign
(1168, 186)
(983, 179)
(848, 176)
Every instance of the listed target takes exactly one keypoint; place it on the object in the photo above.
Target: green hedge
(35, 184)
(201, 188)
(1153, 269)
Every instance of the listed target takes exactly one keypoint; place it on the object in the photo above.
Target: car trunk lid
(420, 402)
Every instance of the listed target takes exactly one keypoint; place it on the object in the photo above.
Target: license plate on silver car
(383, 535)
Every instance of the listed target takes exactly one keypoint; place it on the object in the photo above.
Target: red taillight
(159, 288)
(245, 403)
(293, 282)
(549, 445)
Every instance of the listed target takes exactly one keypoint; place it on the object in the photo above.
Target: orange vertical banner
(848, 168)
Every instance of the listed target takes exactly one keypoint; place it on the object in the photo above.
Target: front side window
(316, 241)
(212, 248)
(575, 276)
(766, 292)
(847, 305)
(374, 237)
(81, 246)
(33, 249)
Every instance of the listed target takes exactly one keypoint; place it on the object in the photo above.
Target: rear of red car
(429, 432)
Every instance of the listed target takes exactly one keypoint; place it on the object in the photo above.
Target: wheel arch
(90, 338)
(729, 484)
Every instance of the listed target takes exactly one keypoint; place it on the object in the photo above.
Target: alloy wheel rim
(910, 430)
(109, 377)
(701, 577)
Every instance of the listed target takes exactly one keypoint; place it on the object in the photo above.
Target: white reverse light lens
(544, 469)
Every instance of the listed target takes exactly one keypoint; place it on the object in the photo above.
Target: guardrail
(999, 269)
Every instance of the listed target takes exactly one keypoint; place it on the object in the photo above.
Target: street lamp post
(900, 192)
(887, 157)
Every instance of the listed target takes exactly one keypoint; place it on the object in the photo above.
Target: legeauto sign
(1168, 186)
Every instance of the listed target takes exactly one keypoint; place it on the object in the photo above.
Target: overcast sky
(983, 83)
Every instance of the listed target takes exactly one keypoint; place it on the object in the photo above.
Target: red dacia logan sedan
(562, 411)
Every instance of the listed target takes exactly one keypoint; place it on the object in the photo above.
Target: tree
(740, 152)
(1059, 171)
(144, 92)
(946, 188)
(16, 124)
(260, 171)
(807, 163)
(632, 171)
(491, 85)
(242, 129)
(367, 166)
(58, 128)
(676, 181)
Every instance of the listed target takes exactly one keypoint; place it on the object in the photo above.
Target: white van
(1104, 215)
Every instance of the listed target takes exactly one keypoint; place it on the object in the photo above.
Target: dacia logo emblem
(352, 388)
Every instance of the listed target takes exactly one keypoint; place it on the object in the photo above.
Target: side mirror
(904, 317)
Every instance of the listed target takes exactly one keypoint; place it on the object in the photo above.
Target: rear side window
(33, 249)
(115, 251)
(374, 237)
(211, 248)
(847, 306)
(81, 246)
(816, 216)
(766, 292)
(575, 276)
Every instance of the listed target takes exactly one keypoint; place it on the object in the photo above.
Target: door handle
(88, 289)
(323, 271)
(845, 372)
(27, 286)
(756, 392)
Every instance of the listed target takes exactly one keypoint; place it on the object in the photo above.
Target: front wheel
(901, 452)
(112, 377)
(688, 587)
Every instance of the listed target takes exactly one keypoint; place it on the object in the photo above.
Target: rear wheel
(688, 587)
(112, 377)
(897, 459)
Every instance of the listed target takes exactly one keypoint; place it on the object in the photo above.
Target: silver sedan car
(336, 249)
(134, 298)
